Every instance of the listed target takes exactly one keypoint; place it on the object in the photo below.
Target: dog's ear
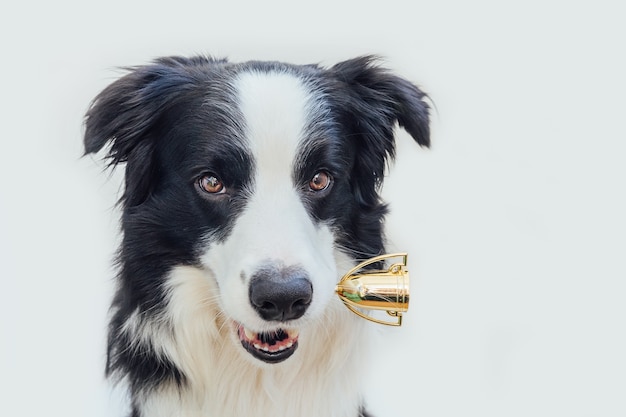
(127, 112)
(374, 101)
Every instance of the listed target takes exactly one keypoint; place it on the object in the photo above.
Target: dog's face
(275, 265)
(265, 175)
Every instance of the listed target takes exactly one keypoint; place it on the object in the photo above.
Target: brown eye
(320, 181)
(211, 184)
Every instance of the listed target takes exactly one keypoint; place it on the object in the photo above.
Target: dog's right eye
(211, 184)
(320, 181)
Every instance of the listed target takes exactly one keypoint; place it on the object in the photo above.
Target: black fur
(170, 120)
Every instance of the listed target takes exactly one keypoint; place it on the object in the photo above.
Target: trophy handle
(373, 260)
(395, 314)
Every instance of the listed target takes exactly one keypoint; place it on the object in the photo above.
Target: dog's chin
(270, 347)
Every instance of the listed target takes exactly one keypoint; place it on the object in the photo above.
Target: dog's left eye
(320, 181)
(211, 184)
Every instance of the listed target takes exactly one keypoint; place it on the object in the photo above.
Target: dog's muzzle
(279, 295)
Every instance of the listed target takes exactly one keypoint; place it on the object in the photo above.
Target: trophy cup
(383, 290)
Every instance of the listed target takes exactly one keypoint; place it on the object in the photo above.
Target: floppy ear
(375, 101)
(127, 113)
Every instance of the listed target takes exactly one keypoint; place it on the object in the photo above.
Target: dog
(249, 189)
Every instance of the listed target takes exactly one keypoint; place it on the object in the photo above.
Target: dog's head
(265, 175)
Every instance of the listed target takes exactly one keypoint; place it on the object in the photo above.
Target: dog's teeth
(288, 345)
(282, 347)
(249, 334)
(257, 346)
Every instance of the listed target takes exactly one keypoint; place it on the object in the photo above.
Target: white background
(514, 220)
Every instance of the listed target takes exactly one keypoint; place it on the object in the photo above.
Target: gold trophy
(386, 290)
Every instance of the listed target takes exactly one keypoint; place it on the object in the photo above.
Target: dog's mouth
(271, 347)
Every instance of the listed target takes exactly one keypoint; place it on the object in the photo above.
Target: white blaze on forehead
(274, 106)
(275, 109)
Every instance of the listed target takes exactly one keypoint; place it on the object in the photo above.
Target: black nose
(280, 294)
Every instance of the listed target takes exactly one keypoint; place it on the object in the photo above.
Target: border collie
(250, 188)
